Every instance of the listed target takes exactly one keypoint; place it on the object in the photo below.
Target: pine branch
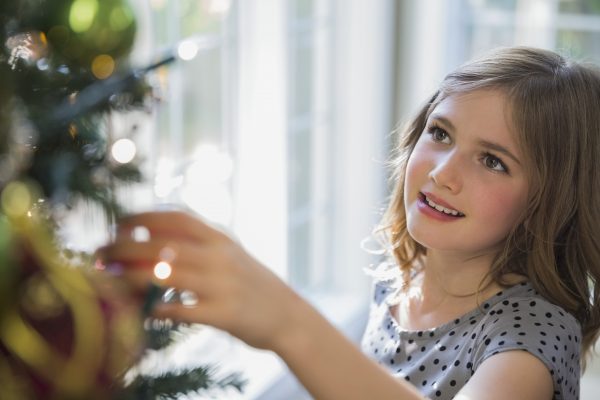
(172, 384)
(160, 333)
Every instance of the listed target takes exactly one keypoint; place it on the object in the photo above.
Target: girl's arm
(515, 375)
(331, 367)
(239, 295)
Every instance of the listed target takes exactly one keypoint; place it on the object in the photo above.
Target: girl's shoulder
(521, 308)
(519, 318)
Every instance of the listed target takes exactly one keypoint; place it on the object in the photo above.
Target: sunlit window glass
(194, 124)
(309, 136)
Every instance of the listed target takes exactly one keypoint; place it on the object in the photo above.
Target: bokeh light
(206, 184)
(82, 15)
(187, 50)
(73, 130)
(165, 180)
(210, 165)
(140, 234)
(103, 66)
(123, 151)
(43, 38)
(162, 270)
(120, 18)
(16, 199)
(203, 184)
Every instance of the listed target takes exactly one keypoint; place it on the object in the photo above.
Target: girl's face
(465, 185)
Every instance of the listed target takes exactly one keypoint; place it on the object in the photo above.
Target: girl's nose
(446, 172)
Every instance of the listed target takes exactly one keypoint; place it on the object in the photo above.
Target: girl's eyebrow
(443, 120)
(499, 149)
(484, 143)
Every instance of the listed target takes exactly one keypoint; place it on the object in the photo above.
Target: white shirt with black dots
(440, 361)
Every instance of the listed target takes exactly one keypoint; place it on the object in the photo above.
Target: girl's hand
(239, 295)
(235, 292)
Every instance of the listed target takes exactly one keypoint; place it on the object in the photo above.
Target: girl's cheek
(418, 162)
(505, 202)
(410, 172)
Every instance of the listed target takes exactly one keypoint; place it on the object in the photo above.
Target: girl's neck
(457, 277)
(446, 288)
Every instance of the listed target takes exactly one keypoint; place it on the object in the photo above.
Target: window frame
(361, 102)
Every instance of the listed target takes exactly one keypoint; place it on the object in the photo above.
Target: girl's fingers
(197, 257)
(201, 313)
(128, 254)
(176, 224)
(205, 286)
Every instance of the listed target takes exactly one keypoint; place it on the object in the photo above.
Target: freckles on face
(468, 161)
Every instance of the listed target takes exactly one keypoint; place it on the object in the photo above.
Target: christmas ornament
(67, 333)
(93, 34)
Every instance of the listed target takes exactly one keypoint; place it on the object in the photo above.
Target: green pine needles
(173, 384)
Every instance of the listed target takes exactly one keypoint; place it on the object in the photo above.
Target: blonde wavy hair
(555, 110)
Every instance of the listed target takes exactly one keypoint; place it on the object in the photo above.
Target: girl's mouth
(445, 210)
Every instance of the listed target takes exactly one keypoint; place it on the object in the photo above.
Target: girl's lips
(435, 207)
(437, 200)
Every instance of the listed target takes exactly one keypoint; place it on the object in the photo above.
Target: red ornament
(67, 333)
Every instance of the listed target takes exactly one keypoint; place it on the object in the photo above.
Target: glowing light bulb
(162, 270)
(82, 15)
(187, 50)
(103, 66)
(140, 234)
(123, 151)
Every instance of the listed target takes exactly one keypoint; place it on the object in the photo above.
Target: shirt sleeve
(543, 330)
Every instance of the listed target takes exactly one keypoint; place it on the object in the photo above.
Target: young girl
(494, 233)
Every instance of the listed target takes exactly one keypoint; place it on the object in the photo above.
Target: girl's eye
(494, 163)
(439, 135)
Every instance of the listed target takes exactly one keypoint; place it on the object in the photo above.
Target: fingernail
(114, 268)
(99, 265)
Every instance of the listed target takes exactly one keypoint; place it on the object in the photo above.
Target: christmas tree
(67, 331)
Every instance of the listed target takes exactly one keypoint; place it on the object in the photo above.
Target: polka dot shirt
(439, 361)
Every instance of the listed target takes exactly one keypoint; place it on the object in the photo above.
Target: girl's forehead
(461, 96)
(487, 106)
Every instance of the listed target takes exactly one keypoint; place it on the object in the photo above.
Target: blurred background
(279, 126)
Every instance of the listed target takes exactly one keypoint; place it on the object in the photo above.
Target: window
(570, 26)
(277, 130)
(309, 148)
(192, 145)
(435, 36)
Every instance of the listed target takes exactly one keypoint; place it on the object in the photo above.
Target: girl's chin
(427, 241)
(437, 242)
(458, 250)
